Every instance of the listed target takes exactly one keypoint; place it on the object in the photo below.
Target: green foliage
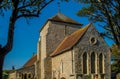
(106, 12)
(25, 8)
(6, 73)
(115, 51)
(115, 67)
(85, 11)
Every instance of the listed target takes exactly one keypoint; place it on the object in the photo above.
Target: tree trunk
(111, 25)
(1, 65)
(7, 48)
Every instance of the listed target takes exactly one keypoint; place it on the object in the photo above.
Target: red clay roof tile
(31, 61)
(70, 41)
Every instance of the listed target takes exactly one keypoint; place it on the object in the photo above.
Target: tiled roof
(70, 41)
(59, 17)
(31, 61)
(62, 18)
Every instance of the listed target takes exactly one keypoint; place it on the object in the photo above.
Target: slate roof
(70, 41)
(30, 62)
(59, 17)
(62, 18)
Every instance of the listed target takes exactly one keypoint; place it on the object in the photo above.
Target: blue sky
(26, 35)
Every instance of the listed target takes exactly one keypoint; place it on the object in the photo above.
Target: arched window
(93, 62)
(25, 76)
(101, 62)
(84, 60)
(29, 76)
(22, 76)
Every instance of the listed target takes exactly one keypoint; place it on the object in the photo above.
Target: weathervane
(58, 6)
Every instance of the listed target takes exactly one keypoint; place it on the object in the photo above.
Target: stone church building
(27, 71)
(66, 50)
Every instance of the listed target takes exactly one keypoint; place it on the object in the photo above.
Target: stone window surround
(103, 62)
(96, 65)
(27, 74)
(93, 40)
(87, 62)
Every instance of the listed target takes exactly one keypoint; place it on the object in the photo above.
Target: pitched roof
(70, 41)
(59, 17)
(62, 18)
(30, 62)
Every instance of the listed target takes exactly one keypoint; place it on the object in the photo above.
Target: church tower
(51, 34)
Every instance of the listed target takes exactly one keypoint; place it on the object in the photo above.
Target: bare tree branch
(33, 13)
(26, 5)
(28, 15)
(1, 1)
(19, 8)
(46, 4)
(4, 4)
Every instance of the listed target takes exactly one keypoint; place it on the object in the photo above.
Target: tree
(104, 11)
(6, 73)
(19, 9)
(115, 67)
(115, 52)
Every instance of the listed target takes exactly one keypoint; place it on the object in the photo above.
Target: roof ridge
(61, 17)
(84, 28)
(73, 38)
(28, 62)
(55, 18)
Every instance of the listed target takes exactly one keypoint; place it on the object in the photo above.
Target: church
(67, 50)
(25, 72)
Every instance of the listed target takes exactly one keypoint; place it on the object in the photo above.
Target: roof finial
(58, 7)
